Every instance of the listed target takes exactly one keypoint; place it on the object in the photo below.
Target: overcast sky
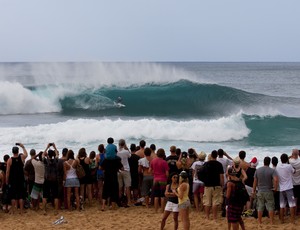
(149, 30)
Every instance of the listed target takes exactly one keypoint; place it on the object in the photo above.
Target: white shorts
(171, 207)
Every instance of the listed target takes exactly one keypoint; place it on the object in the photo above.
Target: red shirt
(159, 168)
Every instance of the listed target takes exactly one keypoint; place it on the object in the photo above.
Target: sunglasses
(175, 177)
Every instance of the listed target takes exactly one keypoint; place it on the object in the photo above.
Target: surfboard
(119, 105)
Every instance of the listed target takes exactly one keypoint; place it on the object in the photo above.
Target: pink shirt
(159, 168)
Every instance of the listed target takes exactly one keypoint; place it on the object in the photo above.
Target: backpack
(241, 195)
(51, 169)
(201, 172)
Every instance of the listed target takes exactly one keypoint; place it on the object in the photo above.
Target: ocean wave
(180, 99)
(84, 131)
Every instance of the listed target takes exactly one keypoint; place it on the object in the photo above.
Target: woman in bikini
(183, 199)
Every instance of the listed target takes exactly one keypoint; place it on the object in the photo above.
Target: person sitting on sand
(172, 202)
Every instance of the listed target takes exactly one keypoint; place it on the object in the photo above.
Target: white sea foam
(83, 132)
(95, 74)
(15, 99)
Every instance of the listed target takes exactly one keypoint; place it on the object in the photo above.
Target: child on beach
(111, 149)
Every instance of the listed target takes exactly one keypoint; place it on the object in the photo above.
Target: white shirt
(296, 165)
(225, 163)
(39, 171)
(144, 162)
(124, 155)
(285, 173)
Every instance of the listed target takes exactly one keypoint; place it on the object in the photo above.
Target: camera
(50, 144)
(18, 144)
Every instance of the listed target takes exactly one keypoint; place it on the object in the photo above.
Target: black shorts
(296, 190)
(50, 189)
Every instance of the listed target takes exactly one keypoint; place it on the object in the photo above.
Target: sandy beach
(122, 218)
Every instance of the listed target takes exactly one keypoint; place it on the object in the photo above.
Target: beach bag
(51, 170)
(241, 196)
(80, 171)
(201, 172)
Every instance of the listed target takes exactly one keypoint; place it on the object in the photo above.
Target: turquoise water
(251, 106)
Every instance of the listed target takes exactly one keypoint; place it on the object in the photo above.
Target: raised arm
(25, 154)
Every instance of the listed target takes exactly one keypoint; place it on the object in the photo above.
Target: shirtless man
(243, 164)
(140, 152)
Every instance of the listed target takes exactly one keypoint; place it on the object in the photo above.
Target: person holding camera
(15, 178)
(51, 176)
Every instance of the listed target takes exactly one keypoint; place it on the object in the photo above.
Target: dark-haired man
(265, 181)
(140, 152)
(244, 165)
(15, 177)
(213, 190)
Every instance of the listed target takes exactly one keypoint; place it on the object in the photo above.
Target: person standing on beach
(244, 165)
(29, 171)
(100, 174)
(198, 185)
(134, 172)
(264, 184)
(183, 199)
(71, 180)
(111, 167)
(39, 171)
(62, 192)
(234, 205)
(172, 160)
(124, 177)
(51, 176)
(15, 177)
(295, 162)
(285, 173)
(213, 190)
(147, 184)
(160, 169)
(140, 152)
(172, 202)
(87, 180)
